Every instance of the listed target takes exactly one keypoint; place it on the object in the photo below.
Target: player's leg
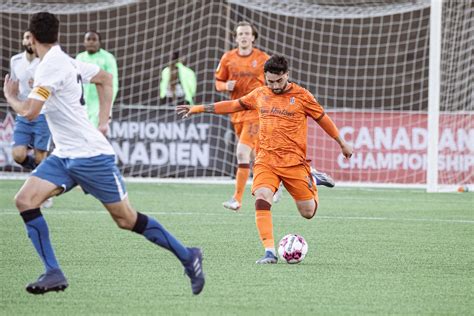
(22, 138)
(248, 135)
(265, 183)
(41, 145)
(109, 188)
(48, 180)
(300, 183)
(41, 138)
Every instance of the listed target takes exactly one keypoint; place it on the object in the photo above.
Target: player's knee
(19, 156)
(22, 202)
(309, 212)
(39, 159)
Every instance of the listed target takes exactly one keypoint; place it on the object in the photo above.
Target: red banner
(391, 147)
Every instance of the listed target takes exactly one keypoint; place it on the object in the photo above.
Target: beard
(28, 49)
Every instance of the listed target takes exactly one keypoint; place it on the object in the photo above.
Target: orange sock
(241, 178)
(263, 219)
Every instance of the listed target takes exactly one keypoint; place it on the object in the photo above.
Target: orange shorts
(296, 179)
(247, 132)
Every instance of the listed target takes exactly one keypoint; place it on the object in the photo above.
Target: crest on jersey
(292, 100)
(254, 64)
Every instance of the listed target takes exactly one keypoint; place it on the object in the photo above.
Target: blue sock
(29, 163)
(39, 234)
(156, 233)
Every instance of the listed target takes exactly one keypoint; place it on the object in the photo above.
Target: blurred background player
(88, 161)
(94, 54)
(240, 71)
(27, 134)
(178, 83)
(283, 109)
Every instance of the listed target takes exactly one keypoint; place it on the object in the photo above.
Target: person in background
(96, 55)
(178, 83)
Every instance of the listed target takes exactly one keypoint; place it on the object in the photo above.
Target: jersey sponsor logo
(292, 100)
(241, 74)
(276, 111)
(254, 63)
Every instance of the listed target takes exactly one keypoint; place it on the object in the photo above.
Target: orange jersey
(283, 123)
(247, 71)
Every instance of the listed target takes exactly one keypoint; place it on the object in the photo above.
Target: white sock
(272, 250)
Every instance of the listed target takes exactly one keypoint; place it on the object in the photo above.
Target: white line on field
(356, 218)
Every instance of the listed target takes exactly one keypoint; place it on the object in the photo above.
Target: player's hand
(230, 85)
(103, 128)
(10, 87)
(183, 110)
(346, 150)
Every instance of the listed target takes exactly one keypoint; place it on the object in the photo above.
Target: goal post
(434, 95)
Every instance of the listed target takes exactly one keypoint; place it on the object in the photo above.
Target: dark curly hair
(45, 27)
(277, 64)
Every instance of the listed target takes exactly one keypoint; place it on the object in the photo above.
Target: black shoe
(53, 280)
(194, 270)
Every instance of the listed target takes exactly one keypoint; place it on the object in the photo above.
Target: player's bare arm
(331, 129)
(223, 107)
(30, 108)
(345, 147)
(104, 84)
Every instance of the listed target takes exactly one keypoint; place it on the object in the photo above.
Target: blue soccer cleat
(194, 270)
(269, 258)
(322, 178)
(53, 280)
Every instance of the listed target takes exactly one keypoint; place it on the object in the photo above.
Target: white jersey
(58, 81)
(23, 71)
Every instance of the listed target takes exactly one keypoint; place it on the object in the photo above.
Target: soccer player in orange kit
(283, 108)
(240, 71)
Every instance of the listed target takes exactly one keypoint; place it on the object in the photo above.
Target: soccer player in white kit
(82, 156)
(28, 134)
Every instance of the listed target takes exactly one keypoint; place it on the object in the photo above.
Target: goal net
(366, 61)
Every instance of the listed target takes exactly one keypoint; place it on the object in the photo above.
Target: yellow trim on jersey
(42, 92)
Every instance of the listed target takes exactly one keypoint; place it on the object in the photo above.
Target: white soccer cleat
(278, 194)
(48, 203)
(232, 204)
(269, 258)
(321, 178)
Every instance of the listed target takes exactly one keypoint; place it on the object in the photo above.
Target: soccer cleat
(194, 270)
(48, 203)
(322, 178)
(53, 280)
(278, 194)
(232, 204)
(269, 258)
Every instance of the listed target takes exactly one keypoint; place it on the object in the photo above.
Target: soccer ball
(292, 248)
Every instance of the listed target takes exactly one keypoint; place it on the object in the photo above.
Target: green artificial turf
(370, 252)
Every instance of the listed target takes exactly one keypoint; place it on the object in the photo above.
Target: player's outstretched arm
(331, 129)
(223, 107)
(30, 108)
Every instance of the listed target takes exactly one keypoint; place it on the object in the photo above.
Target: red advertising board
(391, 147)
